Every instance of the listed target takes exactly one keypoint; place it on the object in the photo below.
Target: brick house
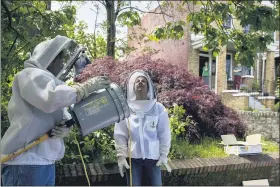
(188, 53)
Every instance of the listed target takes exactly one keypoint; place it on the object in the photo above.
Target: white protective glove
(61, 132)
(163, 161)
(122, 163)
(122, 155)
(91, 85)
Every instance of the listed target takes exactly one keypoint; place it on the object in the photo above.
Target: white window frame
(204, 55)
(231, 61)
(275, 36)
(247, 28)
(226, 21)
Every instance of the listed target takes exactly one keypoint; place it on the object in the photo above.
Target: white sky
(86, 12)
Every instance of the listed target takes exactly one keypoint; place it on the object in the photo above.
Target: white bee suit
(149, 125)
(36, 106)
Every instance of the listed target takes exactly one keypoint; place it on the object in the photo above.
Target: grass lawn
(270, 146)
(209, 148)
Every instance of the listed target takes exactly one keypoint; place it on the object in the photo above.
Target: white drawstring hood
(140, 105)
(36, 106)
(149, 123)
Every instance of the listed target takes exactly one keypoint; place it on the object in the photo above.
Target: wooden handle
(21, 150)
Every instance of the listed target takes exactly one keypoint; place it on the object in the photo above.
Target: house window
(247, 70)
(247, 28)
(228, 22)
(229, 66)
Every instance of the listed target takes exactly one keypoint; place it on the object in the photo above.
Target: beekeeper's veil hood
(46, 51)
(140, 105)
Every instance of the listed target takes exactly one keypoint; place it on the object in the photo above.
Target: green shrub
(179, 122)
(277, 106)
(255, 86)
(244, 89)
(249, 109)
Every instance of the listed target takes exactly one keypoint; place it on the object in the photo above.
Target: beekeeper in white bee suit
(150, 133)
(38, 105)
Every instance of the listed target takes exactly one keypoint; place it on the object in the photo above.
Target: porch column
(263, 68)
(210, 70)
(221, 76)
(193, 66)
(269, 72)
(257, 65)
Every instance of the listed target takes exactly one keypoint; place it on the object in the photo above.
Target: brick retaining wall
(189, 172)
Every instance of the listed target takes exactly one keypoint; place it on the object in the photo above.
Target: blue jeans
(28, 175)
(144, 172)
(206, 80)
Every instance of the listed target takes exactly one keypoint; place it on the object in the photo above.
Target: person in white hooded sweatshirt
(149, 129)
(38, 105)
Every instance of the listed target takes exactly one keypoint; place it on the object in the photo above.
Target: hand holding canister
(91, 85)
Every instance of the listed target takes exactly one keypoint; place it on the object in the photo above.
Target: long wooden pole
(21, 150)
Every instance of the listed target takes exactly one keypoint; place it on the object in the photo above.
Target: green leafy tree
(125, 14)
(95, 43)
(24, 25)
(210, 22)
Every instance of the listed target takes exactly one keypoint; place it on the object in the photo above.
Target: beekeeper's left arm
(164, 135)
(41, 91)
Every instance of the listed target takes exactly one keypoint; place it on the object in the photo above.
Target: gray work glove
(91, 85)
(163, 161)
(122, 163)
(61, 132)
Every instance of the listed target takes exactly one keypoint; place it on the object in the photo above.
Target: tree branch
(15, 9)
(13, 45)
(9, 18)
(145, 11)
(189, 7)
(43, 16)
(161, 11)
(95, 26)
(20, 50)
(102, 3)
(118, 9)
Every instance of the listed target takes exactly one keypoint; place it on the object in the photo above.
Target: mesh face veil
(59, 49)
(131, 96)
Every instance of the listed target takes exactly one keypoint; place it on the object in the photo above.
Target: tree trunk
(111, 28)
(48, 5)
(94, 34)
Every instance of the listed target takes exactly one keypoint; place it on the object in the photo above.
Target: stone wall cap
(230, 91)
(240, 95)
(254, 93)
(260, 113)
(247, 76)
(266, 97)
